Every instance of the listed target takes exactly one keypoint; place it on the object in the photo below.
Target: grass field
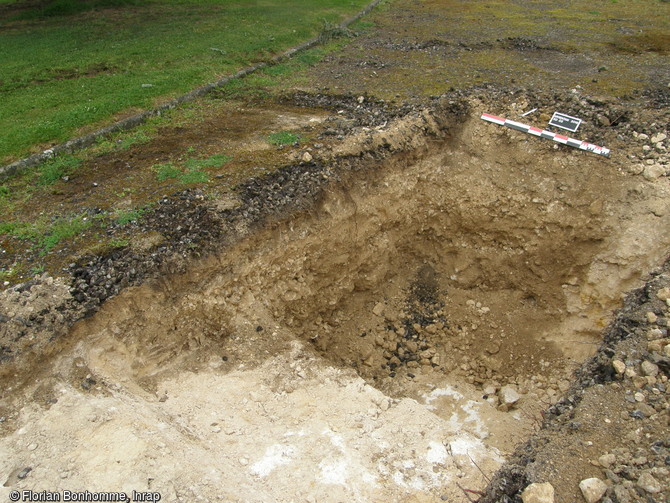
(65, 71)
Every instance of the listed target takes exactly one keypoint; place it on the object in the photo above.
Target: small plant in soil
(194, 176)
(167, 171)
(52, 171)
(282, 138)
(125, 217)
(215, 161)
(61, 230)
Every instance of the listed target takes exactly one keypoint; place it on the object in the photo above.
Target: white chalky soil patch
(327, 436)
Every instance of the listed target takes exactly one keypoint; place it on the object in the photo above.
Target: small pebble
(619, 366)
(24, 473)
(607, 460)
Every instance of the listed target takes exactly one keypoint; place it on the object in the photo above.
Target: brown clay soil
(411, 304)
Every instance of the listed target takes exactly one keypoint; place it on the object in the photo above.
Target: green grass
(284, 138)
(62, 73)
(69, 7)
(45, 236)
(290, 73)
(215, 161)
(52, 171)
(167, 171)
(62, 229)
(193, 172)
(194, 176)
(125, 217)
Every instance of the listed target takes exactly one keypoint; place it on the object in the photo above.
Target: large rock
(649, 369)
(508, 397)
(538, 493)
(657, 138)
(654, 171)
(592, 489)
(649, 483)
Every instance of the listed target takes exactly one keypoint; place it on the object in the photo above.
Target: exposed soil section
(409, 304)
(413, 290)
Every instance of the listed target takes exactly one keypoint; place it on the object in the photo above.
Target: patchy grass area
(283, 138)
(608, 47)
(67, 71)
(118, 179)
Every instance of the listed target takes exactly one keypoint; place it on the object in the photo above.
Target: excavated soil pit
(369, 349)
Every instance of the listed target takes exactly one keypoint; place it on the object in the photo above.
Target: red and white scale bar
(543, 133)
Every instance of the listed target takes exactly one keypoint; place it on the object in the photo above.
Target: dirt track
(349, 333)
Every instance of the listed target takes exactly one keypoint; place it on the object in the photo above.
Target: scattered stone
(651, 317)
(607, 460)
(654, 171)
(647, 482)
(538, 493)
(649, 369)
(655, 346)
(493, 347)
(621, 493)
(663, 294)
(630, 372)
(657, 138)
(306, 157)
(592, 489)
(508, 397)
(654, 333)
(24, 473)
(378, 310)
(612, 476)
(619, 366)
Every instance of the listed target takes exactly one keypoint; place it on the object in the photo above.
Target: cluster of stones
(639, 470)
(406, 343)
(653, 155)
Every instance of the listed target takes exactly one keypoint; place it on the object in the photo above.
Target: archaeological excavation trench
(396, 340)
